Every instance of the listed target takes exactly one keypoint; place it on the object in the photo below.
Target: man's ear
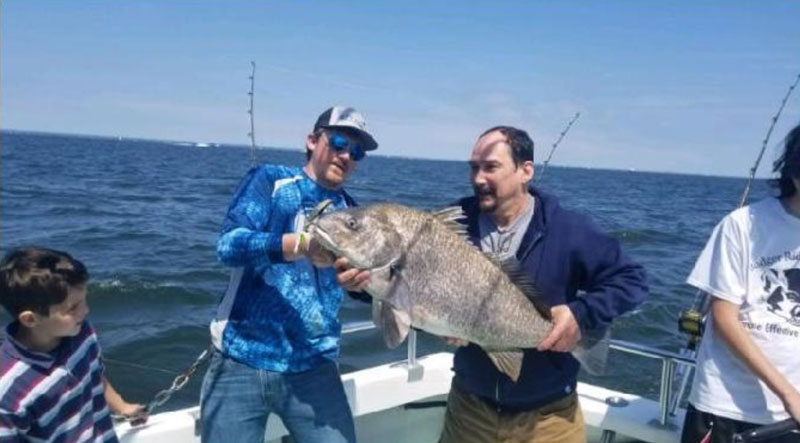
(528, 170)
(28, 318)
(311, 141)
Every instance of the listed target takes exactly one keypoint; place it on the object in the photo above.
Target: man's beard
(485, 205)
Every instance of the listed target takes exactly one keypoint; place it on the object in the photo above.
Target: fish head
(365, 236)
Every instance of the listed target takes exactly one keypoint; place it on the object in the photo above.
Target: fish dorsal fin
(523, 281)
(450, 213)
(450, 217)
(494, 259)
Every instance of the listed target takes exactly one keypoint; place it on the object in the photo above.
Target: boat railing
(364, 325)
(669, 362)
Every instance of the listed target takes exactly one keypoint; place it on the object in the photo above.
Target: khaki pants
(470, 420)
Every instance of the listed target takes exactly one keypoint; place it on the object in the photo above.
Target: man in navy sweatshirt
(562, 252)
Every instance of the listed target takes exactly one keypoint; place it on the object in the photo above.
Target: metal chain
(179, 382)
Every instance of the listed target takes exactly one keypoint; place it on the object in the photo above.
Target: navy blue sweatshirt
(563, 252)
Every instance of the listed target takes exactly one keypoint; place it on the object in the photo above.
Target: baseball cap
(346, 117)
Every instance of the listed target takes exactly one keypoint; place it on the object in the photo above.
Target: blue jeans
(236, 400)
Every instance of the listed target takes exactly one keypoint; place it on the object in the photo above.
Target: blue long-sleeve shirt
(276, 315)
(562, 252)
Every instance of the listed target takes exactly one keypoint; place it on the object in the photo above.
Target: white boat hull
(379, 398)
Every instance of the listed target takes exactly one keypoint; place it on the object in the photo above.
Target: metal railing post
(415, 370)
(412, 348)
(683, 373)
(667, 375)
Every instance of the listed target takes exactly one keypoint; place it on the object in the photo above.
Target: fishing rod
(555, 145)
(252, 133)
(766, 140)
(692, 321)
(180, 381)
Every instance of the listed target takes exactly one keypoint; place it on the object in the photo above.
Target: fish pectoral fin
(394, 323)
(392, 315)
(507, 362)
(592, 351)
(399, 294)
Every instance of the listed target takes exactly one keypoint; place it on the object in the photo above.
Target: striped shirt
(276, 315)
(54, 396)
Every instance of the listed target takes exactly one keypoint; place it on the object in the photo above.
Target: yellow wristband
(301, 238)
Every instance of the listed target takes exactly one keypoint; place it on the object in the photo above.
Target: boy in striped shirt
(52, 386)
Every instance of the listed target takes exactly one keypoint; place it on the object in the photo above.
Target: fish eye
(352, 223)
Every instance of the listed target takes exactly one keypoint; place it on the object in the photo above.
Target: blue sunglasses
(340, 143)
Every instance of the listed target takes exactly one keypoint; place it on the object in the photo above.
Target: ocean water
(144, 217)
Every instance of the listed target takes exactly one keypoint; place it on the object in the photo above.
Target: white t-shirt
(752, 259)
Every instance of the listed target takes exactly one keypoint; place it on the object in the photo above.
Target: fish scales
(453, 288)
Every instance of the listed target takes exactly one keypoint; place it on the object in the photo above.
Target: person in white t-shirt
(748, 364)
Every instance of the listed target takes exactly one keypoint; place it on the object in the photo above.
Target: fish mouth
(327, 242)
(324, 239)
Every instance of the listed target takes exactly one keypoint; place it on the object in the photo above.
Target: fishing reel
(692, 323)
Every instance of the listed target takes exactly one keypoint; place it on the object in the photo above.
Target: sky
(674, 86)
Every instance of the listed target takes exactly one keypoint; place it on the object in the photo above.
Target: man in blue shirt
(276, 331)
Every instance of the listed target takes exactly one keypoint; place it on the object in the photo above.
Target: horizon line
(283, 148)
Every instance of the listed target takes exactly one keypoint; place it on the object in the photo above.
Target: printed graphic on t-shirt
(773, 309)
(501, 244)
(783, 293)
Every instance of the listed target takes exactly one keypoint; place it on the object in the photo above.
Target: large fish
(424, 273)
